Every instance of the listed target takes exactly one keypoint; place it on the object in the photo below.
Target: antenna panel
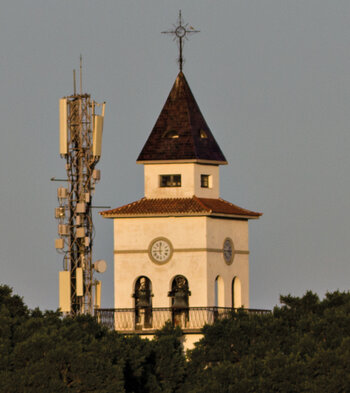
(59, 212)
(79, 281)
(97, 135)
(80, 232)
(98, 294)
(64, 291)
(59, 244)
(96, 174)
(81, 207)
(63, 230)
(63, 127)
(62, 193)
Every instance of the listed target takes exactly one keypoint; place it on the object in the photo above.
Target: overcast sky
(272, 79)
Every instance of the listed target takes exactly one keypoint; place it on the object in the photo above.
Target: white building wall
(197, 243)
(217, 231)
(132, 237)
(190, 180)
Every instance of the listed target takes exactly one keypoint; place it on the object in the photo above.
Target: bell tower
(181, 227)
(181, 253)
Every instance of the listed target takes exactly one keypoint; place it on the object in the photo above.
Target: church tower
(181, 246)
(181, 253)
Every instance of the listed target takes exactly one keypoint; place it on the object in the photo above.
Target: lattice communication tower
(80, 145)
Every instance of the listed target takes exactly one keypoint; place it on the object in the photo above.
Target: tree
(303, 346)
(46, 352)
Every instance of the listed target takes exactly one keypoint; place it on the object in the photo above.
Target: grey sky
(272, 79)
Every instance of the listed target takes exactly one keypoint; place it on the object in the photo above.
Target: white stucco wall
(217, 230)
(135, 235)
(197, 243)
(190, 180)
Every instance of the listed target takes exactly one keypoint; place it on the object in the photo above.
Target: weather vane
(180, 32)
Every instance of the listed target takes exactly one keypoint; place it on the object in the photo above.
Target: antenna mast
(80, 145)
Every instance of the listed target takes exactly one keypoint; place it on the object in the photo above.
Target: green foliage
(169, 360)
(302, 346)
(44, 352)
(49, 353)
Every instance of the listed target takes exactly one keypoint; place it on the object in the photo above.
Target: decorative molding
(214, 250)
(184, 161)
(130, 251)
(243, 252)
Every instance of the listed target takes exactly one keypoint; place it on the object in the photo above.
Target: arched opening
(236, 293)
(219, 292)
(180, 300)
(143, 303)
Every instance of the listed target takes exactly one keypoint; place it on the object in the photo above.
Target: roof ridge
(242, 208)
(202, 203)
(134, 203)
(189, 112)
(152, 199)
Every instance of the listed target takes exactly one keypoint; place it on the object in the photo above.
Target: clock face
(228, 251)
(160, 250)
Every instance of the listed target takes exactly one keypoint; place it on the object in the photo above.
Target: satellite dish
(100, 266)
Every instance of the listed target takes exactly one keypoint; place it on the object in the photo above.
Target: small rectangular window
(170, 181)
(205, 181)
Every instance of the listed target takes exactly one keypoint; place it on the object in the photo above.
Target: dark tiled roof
(179, 206)
(181, 133)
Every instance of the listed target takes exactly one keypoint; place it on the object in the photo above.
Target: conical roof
(181, 133)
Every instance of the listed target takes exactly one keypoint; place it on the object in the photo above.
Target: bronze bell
(143, 299)
(180, 300)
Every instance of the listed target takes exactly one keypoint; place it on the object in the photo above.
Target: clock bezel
(152, 258)
(230, 260)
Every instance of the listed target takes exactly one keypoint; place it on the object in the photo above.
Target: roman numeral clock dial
(160, 250)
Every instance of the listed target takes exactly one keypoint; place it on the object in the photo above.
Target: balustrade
(191, 318)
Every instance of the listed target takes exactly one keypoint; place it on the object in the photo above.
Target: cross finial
(180, 32)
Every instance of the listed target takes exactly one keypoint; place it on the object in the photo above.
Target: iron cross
(180, 32)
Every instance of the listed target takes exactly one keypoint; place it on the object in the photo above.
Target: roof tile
(181, 132)
(179, 206)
